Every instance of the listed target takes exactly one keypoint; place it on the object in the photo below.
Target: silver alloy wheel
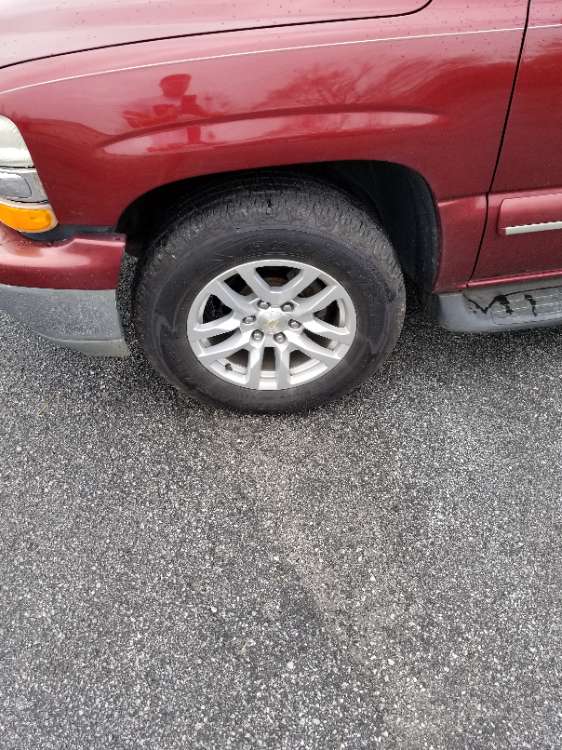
(271, 324)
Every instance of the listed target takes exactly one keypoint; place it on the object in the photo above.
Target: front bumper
(65, 291)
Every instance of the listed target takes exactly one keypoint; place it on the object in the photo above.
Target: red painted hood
(33, 29)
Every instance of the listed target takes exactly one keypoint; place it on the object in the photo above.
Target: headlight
(21, 185)
(23, 202)
(13, 151)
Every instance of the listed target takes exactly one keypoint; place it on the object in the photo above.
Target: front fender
(429, 91)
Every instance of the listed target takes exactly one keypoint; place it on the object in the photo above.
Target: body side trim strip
(544, 226)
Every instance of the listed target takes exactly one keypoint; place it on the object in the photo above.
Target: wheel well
(399, 198)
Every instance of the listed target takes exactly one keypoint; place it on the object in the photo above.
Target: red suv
(277, 169)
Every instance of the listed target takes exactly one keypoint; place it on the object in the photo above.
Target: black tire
(276, 215)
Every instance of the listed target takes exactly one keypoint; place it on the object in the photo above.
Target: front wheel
(270, 295)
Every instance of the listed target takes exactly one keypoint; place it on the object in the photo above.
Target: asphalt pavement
(385, 572)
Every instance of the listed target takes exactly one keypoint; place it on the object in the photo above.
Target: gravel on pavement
(384, 572)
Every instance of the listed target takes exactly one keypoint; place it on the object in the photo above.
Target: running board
(500, 308)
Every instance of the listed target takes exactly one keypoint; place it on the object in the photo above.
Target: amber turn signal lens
(36, 217)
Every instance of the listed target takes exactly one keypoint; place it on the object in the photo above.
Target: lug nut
(263, 305)
(294, 324)
(257, 335)
(249, 319)
(288, 307)
(279, 337)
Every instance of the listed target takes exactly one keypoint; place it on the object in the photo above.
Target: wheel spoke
(225, 324)
(282, 367)
(257, 284)
(320, 328)
(277, 295)
(313, 350)
(226, 348)
(255, 363)
(296, 286)
(236, 302)
(318, 301)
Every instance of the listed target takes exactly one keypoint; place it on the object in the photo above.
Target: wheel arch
(399, 197)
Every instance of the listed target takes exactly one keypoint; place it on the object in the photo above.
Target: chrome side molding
(544, 226)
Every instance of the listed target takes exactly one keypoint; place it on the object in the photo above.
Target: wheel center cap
(272, 321)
